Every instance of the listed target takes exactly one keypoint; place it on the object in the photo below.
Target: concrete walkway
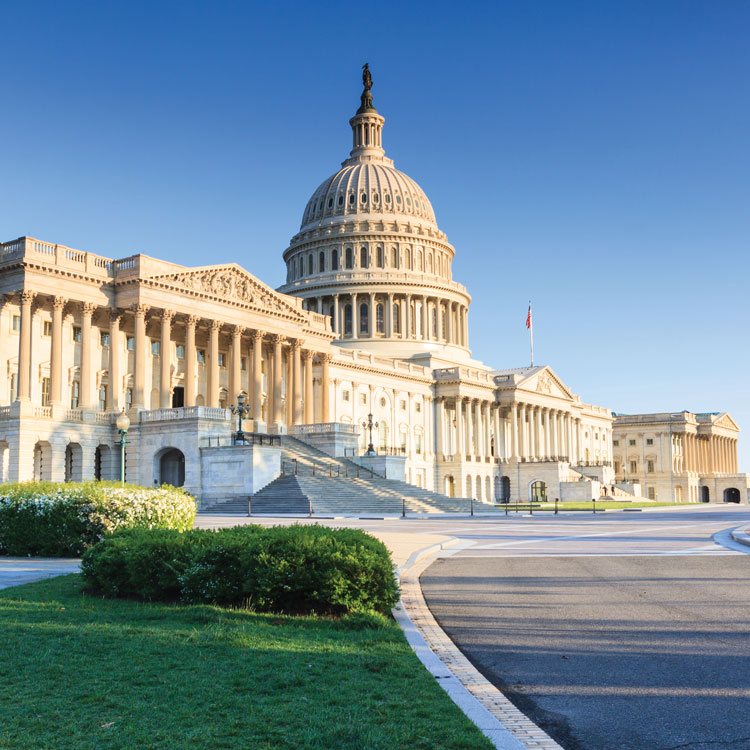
(17, 570)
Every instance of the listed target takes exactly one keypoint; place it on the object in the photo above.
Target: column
(539, 433)
(579, 441)
(335, 323)
(235, 374)
(319, 302)
(278, 364)
(289, 387)
(139, 392)
(439, 419)
(257, 413)
(113, 392)
(569, 438)
(55, 368)
(24, 347)
(190, 323)
(449, 327)
(555, 445)
(487, 429)
(407, 317)
(307, 360)
(425, 328)
(459, 449)
(439, 316)
(514, 431)
(165, 356)
(355, 316)
(389, 316)
(466, 327)
(547, 450)
(499, 438)
(325, 388)
(478, 436)
(296, 383)
(212, 397)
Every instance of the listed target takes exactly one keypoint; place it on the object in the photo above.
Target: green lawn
(82, 672)
(603, 504)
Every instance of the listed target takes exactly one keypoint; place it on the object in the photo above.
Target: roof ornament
(366, 97)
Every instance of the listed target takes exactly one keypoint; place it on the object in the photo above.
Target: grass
(82, 672)
(603, 504)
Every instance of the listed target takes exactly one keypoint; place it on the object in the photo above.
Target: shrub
(293, 569)
(64, 519)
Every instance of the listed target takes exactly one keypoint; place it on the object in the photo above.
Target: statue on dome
(366, 77)
(366, 97)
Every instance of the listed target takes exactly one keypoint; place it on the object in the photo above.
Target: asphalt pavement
(602, 646)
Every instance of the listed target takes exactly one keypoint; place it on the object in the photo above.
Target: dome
(368, 189)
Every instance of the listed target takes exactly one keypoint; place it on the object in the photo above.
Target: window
(200, 355)
(363, 398)
(402, 404)
(394, 257)
(650, 467)
(155, 348)
(13, 387)
(396, 318)
(104, 339)
(345, 395)
(180, 351)
(649, 441)
(102, 397)
(310, 264)
(243, 364)
(128, 398)
(351, 199)
(46, 328)
(402, 441)
(364, 314)
(631, 442)
(15, 323)
(222, 359)
(321, 262)
(418, 443)
(651, 493)
(418, 407)
(633, 467)
(615, 443)
(363, 259)
(381, 260)
(347, 320)
(77, 335)
(617, 467)
(130, 343)
(379, 318)
(45, 391)
(383, 402)
(75, 394)
(335, 260)
(348, 257)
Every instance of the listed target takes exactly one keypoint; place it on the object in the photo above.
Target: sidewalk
(17, 570)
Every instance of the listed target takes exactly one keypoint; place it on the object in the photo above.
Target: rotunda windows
(398, 199)
(387, 197)
(341, 200)
(408, 201)
(351, 199)
(363, 198)
(376, 198)
(330, 203)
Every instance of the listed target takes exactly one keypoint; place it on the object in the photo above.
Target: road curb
(741, 536)
(496, 717)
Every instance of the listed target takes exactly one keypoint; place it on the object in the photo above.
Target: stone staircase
(332, 486)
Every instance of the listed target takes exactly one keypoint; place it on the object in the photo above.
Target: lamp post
(369, 425)
(123, 424)
(242, 410)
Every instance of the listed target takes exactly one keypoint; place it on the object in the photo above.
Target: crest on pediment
(545, 381)
(726, 421)
(231, 284)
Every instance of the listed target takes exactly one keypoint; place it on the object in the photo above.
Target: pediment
(233, 284)
(726, 421)
(546, 382)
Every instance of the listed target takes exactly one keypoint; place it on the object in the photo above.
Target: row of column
(537, 433)
(711, 454)
(300, 405)
(411, 312)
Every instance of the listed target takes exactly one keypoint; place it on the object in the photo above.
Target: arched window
(381, 260)
(363, 261)
(429, 263)
(321, 262)
(347, 320)
(394, 257)
(380, 317)
(310, 265)
(407, 258)
(349, 262)
(538, 492)
(396, 318)
(420, 264)
(335, 260)
(478, 486)
(364, 323)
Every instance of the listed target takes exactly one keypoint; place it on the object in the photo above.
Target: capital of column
(58, 303)
(215, 325)
(88, 308)
(276, 338)
(295, 343)
(115, 316)
(306, 355)
(238, 330)
(27, 296)
(167, 315)
(139, 310)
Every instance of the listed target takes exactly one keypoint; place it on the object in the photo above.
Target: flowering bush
(63, 519)
(295, 569)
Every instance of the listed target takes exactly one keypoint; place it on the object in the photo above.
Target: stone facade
(369, 321)
(686, 456)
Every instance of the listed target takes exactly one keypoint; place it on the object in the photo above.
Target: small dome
(368, 188)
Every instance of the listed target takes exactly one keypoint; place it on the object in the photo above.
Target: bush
(63, 519)
(294, 569)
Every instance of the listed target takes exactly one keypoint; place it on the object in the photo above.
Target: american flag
(528, 318)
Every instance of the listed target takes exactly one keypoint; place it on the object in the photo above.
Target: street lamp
(242, 410)
(123, 424)
(369, 425)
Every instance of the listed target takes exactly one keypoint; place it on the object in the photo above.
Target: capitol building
(368, 322)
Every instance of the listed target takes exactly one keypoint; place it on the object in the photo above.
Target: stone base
(388, 467)
(337, 439)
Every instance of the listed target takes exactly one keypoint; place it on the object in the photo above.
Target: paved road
(17, 570)
(621, 632)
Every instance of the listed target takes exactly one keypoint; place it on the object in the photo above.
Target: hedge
(292, 569)
(55, 519)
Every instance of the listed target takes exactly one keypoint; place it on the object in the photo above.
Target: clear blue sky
(591, 156)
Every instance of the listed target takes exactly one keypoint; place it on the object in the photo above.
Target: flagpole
(530, 323)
